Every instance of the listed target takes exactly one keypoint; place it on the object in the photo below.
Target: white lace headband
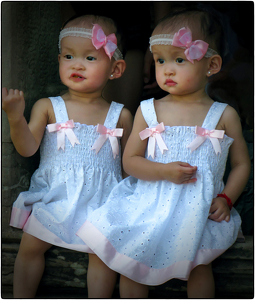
(99, 39)
(183, 39)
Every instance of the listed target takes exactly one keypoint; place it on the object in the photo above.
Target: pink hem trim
(137, 271)
(19, 217)
(35, 228)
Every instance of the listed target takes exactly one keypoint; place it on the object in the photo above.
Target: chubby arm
(26, 137)
(137, 165)
(240, 166)
(125, 122)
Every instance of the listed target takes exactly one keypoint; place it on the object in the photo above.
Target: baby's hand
(13, 103)
(219, 210)
(180, 172)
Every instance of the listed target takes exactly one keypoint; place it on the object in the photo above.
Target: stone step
(65, 274)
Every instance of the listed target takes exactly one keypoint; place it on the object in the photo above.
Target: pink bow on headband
(203, 134)
(194, 50)
(99, 39)
(106, 133)
(154, 135)
(62, 130)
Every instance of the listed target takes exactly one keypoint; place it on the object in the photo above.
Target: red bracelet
(229, 202)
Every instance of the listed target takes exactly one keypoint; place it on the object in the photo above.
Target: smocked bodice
(177, 138)
(80, 155)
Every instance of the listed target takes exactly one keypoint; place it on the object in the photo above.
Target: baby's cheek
(189, 83)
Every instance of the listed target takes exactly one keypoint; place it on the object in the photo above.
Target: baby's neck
(196, 97)
(182, 111)
(83, 97)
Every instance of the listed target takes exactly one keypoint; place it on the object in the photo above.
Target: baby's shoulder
(125, 114)
(43, 102)
(229, 114)
(229, 118)
(125, 119)
(44, 106)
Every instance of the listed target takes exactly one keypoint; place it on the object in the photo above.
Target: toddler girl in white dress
(176, 217)
(78, 134)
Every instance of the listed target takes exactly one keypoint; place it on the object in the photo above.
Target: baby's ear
(214, 64)
(119, 67)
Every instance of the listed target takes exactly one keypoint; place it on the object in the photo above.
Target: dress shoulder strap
(214, 114)
(113, 115)
(59, 108)
(149, 113)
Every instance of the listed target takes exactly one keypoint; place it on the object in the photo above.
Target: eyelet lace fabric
(159, 229)
(68, 185)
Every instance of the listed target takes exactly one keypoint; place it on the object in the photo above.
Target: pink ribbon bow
(99, 39)
(62, 130)
(203, 134)
(106, 133)
(154, 135)
(194, 50)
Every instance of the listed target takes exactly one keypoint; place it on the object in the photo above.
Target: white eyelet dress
(153, 231)
(69, 184)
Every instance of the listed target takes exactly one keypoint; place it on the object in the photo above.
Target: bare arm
(125, 122)
(25, 137)
(137, 165)
(239, 157)
(240, 166)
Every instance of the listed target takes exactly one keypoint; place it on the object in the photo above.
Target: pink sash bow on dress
(111, 134)
(62, 130)
(154, 135)
(204, 134)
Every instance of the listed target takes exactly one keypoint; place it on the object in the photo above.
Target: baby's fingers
(187, 165)
(219, 216)
(189, 170)
(15, 92)
(11, 94)
(227, 219)
(13, 103)
(190, 180)
(18, 93)
(216, 217)
(4, 93)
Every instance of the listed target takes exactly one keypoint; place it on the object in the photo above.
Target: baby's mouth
(77, 76)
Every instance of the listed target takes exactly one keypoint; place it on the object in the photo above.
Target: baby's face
(82, 68)
(175, 74)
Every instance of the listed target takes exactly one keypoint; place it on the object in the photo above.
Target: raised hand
(25, 137)
(13, 104)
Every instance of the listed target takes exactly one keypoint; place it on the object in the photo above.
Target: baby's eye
(90, 58)
(179, 60)
(160, 61)
(68, 56)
